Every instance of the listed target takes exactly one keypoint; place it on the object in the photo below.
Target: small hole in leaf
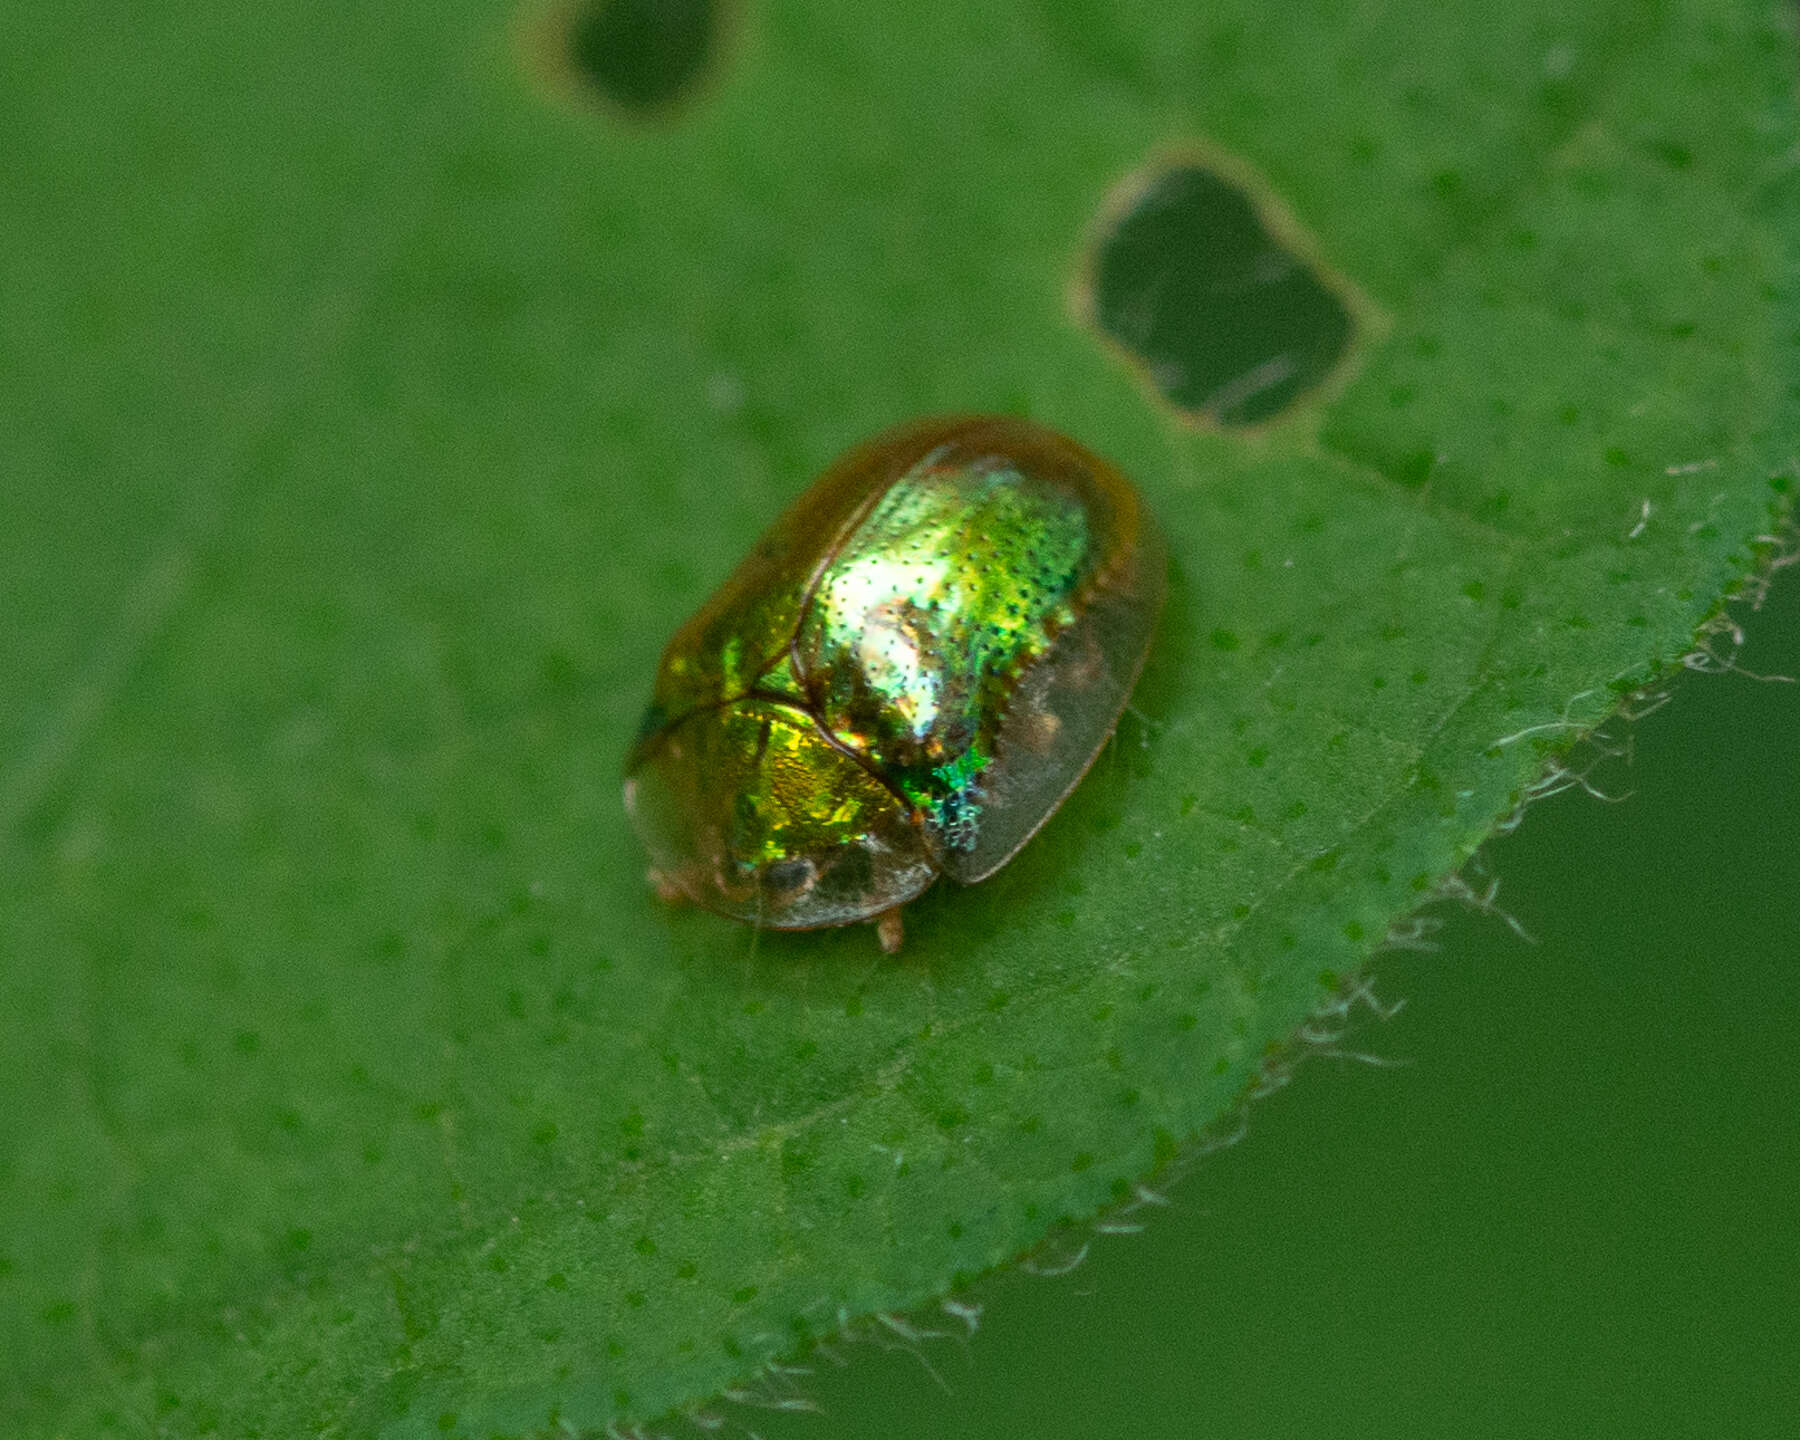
(1195, 279)
(644, 56)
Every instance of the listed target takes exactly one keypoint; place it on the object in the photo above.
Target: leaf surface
(369, 417)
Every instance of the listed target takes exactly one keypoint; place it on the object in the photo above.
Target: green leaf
(369, 415)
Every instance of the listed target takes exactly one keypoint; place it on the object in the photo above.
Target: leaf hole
(1206, 285)
(643, 59)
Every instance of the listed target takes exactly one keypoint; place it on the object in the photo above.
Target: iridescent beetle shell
(904, 679)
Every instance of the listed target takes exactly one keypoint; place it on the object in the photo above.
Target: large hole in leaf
(1231, 325)
(643, 55)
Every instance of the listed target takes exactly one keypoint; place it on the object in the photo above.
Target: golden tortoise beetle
(904, 679)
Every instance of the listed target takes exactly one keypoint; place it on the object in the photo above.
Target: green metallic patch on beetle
(750, 803)
(902, 679)
(917, 631)
(743, 634)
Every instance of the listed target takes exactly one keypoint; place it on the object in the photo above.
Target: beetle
(910, 671)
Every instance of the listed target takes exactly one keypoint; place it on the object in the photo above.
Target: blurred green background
(1572, 1209)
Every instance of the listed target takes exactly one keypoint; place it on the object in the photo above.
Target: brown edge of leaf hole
(541, 30)
(1369, 323)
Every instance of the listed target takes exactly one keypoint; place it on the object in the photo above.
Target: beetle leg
(890, 930)
(666, 889)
